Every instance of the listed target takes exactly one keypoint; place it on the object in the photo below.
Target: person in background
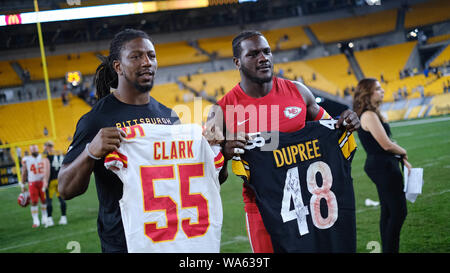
(382, 162)
(33, 172)
(54, 162)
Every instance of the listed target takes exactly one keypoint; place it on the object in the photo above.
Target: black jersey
(110, 112)
(55, 164)
(303, 187)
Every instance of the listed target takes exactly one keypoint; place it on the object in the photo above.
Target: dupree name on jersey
(301, 152)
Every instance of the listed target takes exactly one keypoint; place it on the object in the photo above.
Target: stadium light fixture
(79, 13)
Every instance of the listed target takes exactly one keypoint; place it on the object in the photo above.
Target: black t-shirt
(55, 165)
(110, 112)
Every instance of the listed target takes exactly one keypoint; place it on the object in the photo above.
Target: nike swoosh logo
(242, 122)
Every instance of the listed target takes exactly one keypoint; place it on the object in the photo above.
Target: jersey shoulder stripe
(115, 159)
(348, 145)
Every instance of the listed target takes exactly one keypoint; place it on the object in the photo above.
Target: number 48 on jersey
(292, 191)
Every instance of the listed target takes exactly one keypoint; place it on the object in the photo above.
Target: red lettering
(173, 151)
(189, 149)
(164, 156)
(181, 148)
(155, 155)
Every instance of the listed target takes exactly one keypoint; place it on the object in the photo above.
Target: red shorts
(36, 191)
(257, 234)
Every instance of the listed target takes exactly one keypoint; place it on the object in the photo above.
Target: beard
(254, 78)
(142, 88)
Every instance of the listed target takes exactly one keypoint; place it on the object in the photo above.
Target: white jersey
(35, 168)
(171, 192)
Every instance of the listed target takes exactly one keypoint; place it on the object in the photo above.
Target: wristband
(89, 153)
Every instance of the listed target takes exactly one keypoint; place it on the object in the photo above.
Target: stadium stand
(443, 58)
(177, 53)
(403, 109)
(427, 13)
(299, 70)
(214, 84)
(336, 69)
(386, 61)
(355, 27)
(31, 117)
(412, 84)
(190, 109)
(58, 65)
(8, 77)
(415, 112)
(169, 54)
(440, 105)
(395, 115)
(438, 38)
(279, 39)
(218, 46)
(436, 87)
(286, 38)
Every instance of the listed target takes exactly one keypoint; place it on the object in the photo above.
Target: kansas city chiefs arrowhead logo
(292, 111)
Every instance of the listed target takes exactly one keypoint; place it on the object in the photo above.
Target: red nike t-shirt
(282, 109)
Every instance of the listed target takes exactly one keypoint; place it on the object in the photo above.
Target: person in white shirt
(33, 172)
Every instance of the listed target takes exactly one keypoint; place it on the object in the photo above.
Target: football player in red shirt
(262, 102)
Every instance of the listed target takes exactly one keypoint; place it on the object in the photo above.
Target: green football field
(426, 229)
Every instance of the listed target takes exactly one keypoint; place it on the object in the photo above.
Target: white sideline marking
(419, 121)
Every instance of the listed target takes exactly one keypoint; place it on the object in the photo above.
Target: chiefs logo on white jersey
(292, 111)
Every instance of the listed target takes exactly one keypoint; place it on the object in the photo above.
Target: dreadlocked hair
(105, 75)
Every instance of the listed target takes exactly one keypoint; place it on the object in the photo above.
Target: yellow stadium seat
(436, 87)
(218, 45)
(427, 13)
(394, 115)
(439, 38)
(30, 118)
(295, 38)
(442, 58)
(193, 111)
(297, 69)
(389, 61)
(8, 77)
(286, 38)
(415, 111)
(411, 83)
(59, 65)
(440, 105)
(213, 82)
(355, 27)
(177, 53)
(334, 68)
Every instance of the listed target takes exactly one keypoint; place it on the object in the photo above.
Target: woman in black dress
(382, 162)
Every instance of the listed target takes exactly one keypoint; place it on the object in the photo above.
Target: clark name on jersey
(303, 187)
(171, 193)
